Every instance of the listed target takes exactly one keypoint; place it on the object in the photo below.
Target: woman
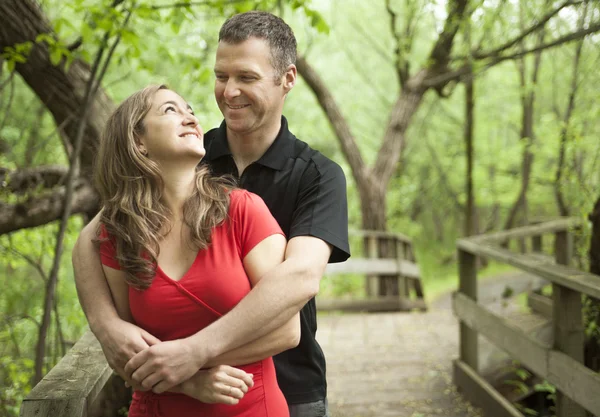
(181, 248)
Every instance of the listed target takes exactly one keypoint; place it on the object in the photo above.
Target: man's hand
(120, 342)
(221, 384)
(164, 365)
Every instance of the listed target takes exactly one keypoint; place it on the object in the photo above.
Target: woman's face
(171, 131)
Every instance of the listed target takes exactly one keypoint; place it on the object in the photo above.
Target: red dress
(212, 286)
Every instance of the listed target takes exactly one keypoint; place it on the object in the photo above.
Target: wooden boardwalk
(392, 364)
(400, 364)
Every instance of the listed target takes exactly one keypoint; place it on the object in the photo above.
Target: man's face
(246, 88)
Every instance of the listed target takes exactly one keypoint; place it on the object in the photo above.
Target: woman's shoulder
(240, 198)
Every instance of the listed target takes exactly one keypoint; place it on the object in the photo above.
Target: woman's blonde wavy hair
(131, 188)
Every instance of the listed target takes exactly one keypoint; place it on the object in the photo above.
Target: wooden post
(568, 323)
(401, 254)
(467, 264)
(372, 252)
(536, 243)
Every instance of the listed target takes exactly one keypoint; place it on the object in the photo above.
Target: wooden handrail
(379, 233)
(562, 363)
(72, 386)
(552, 226)
(569, 277)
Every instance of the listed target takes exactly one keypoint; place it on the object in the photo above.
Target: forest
(450, 118)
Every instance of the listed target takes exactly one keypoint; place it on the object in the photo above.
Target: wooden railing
(392, 283)
(561, 362)
(80, 385)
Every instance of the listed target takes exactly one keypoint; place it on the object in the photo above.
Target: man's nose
(231, 89)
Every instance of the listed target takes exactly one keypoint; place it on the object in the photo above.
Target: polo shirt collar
(275, 157)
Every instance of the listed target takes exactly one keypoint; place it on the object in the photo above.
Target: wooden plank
(537, 243)
(540, 304)
(467, 264)
(572, 278)
(576, 380)
(480, 393)
(379, 234)
(77, 379)
(403, 290)
(374, 266)
(502, 333)
(75, 407)
(370, 304)
(568, 323)
(372, 285)
(568, 375)
(553, 226)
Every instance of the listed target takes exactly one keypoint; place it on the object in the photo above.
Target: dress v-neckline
(185, 274)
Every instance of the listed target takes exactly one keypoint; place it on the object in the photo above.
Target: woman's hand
(221, 384)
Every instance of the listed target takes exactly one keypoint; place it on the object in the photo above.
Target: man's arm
(278, 296)
(119, 339)
(281, 339)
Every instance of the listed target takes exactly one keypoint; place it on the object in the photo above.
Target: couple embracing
(198, 276)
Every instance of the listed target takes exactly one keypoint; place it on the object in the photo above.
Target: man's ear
(289, 80)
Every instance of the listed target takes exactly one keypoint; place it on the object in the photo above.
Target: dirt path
(400, 364)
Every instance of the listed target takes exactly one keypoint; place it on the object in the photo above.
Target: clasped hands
(145, 363)
(175, 366)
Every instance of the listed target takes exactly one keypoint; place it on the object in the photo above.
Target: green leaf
(130, 38)
(87, 33)
(10, 65)
(55, 56)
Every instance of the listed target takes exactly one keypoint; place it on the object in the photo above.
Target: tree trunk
(62, 92)
(527, 135)
(563, 207)
(470, 226)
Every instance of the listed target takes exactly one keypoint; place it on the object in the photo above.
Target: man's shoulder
(211, 135)
(307, 153)
(317, 164)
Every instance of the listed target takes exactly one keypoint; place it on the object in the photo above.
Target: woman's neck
(178, 187)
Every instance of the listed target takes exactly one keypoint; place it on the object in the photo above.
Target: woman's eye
(170, 108)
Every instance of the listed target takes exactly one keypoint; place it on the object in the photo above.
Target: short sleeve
(108, 250)
(251, 219)
(322, 206)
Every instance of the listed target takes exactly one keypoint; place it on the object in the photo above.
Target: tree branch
(336, 119)
(440, 54)
(24, 180)
(557, 42)
(539, 25)
(398, 59)
(192, 4)
(442, 79)
(40, 210)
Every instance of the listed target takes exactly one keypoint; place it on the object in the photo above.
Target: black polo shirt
(306, 193)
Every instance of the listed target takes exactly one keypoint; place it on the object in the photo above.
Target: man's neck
(247, 148)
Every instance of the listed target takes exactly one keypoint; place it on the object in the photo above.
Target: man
(306, 193)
